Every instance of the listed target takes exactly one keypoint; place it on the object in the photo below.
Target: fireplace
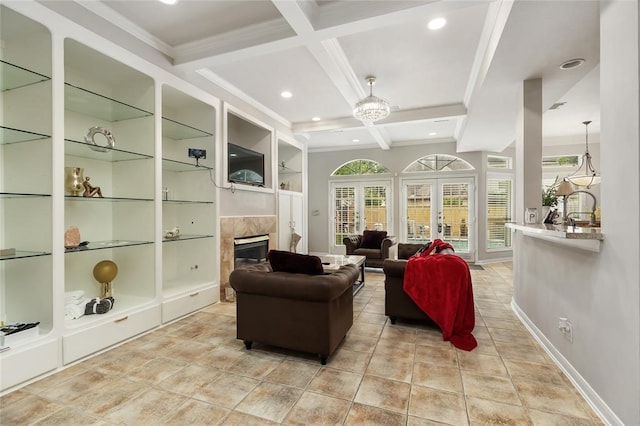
(239, 227)
(251, 249)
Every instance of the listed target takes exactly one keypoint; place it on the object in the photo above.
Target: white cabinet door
(291, 219)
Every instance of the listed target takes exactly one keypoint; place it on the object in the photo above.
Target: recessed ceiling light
(432, 133)
(315, 119)
(437, 23)
(355, 140)
(571, 64)
(169, 1)
(286, 94)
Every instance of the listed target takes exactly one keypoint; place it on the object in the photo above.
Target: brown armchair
(307, 313)
(374, 245)
(397, 304)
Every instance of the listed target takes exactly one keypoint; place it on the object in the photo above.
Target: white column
(529, 150)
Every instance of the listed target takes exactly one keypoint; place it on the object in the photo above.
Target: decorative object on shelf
(8, 252)
(99, 305)
(74, 304)
(73, 180)
(104, 272)
(172, 234)
(165, 192)
(71, 237)
(282, 185)
(90, 139)
(531, 216)
(10, 334)
(371, 108)
(90, 190)
(590, 176)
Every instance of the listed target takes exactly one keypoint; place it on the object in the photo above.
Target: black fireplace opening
(250, 250)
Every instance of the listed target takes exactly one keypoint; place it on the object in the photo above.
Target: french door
(439, 208)
(358, 206)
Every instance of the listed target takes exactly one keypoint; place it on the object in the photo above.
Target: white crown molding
(224, 84)
(115, 18)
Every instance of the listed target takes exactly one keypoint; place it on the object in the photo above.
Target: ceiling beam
(402, 116)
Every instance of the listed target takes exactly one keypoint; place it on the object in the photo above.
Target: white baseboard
(590, 395)
(496, 260)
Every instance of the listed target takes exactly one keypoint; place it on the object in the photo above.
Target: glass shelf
(21, 254)
(95, 105)
(186, 202)
(13, 76)
(98, 199)
(288, 172)
(9, 135)
(21, 195)
(185, 237)
(181, 166)
(83, 150)
(178, 131)
(99, 245)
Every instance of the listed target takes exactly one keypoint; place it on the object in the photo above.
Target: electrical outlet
(565, 327)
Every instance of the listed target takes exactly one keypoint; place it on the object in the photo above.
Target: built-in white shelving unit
(26, 278)
(188, 190)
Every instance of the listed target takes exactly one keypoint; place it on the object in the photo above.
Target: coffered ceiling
(460, 83)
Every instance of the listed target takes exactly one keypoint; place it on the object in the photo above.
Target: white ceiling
(461, 83)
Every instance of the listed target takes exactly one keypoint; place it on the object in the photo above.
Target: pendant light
(589, 176)
(371, 108)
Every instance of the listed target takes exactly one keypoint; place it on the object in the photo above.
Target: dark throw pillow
(373, 239)
(295, 263)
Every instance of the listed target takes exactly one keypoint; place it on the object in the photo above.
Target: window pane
(418, 212)
(499, 196)
(438, 163)
(345, 213)
(496, 162)
(375, 207)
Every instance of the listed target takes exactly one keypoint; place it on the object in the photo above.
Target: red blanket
(440, 284)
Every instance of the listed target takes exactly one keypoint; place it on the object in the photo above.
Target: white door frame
(358, 186)
(436, 206)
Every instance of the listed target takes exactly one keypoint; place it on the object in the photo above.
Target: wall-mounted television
(245, 166)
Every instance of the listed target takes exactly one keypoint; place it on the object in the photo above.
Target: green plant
(549, 197)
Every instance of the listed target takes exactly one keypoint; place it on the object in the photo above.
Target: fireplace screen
(250, 249)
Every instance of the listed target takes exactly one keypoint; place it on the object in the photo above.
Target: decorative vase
(73, 179)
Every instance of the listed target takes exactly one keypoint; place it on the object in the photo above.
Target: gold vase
(73, 179)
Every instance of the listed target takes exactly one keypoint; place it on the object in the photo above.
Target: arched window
(360, 167)
(438, 163)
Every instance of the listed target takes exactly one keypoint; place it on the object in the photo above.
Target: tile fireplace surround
(241, 226)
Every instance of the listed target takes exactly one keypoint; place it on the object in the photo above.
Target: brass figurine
(90, 190)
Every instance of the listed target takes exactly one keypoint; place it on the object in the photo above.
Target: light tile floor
(195, 372)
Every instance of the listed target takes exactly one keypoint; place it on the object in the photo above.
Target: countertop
(585, 238)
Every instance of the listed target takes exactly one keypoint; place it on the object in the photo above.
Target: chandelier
(589, 177)
(371, 108)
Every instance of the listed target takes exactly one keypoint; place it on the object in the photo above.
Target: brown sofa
(375, 256)
(307, 313)
(396, 302)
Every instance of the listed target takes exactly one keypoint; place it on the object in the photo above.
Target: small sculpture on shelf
(90, 139)
(104, 272)
(90, 190)
(172, 234)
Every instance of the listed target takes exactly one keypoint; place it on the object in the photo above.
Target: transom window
(497, 162)
(360, 167)
(560, 160)
(438, 163)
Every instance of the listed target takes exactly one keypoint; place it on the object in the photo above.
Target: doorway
(439, 208)
(358, 206)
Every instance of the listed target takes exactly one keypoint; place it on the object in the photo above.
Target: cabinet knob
(122, 319)
(194, 294)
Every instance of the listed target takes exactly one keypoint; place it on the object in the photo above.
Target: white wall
(599, 292)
